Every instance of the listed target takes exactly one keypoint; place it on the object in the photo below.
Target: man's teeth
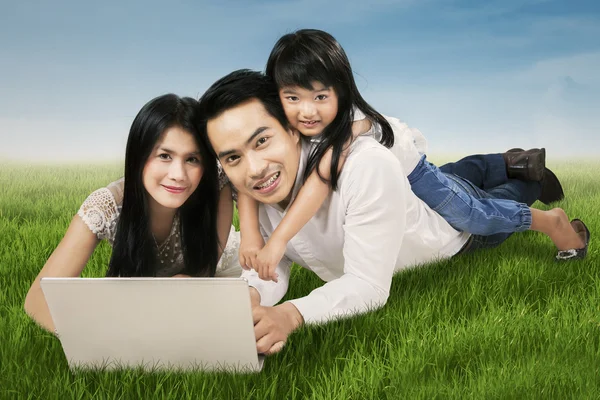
(269, 182)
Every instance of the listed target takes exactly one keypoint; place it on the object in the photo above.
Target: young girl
(160, 218)
(320, 99)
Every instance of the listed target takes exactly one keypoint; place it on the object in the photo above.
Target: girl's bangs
(302, 70)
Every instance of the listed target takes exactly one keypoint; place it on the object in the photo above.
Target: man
(368, 229)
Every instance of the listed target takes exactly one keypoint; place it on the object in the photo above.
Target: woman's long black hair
(134, 252)
(309, 55)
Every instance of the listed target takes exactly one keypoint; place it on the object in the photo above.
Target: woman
(169, 216)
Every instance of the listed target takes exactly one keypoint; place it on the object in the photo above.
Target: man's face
(259, 156)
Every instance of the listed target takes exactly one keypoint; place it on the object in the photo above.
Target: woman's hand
(67, 260)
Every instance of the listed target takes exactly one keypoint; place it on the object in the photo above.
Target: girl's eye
(262, 140)
(194, 160)
(292, 98)
(321, 97)
(164, 156)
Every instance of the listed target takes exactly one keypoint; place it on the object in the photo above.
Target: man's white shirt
(368, 229)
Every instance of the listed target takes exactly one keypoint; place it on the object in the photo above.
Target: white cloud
(542, 105)
(471, 79)
(583, 67)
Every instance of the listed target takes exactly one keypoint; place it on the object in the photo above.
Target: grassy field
(501, 323)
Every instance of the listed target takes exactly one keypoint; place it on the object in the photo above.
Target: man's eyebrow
(257, 132)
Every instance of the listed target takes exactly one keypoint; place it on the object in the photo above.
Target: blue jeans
(475, 195)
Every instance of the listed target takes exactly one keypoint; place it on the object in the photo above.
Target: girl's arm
(311, 196)
(308, 201)
(305, 206)
(68, 260)
(251, 240)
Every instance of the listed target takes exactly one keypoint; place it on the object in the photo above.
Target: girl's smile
(309, 111)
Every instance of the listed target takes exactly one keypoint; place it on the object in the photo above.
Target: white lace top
(100, 212)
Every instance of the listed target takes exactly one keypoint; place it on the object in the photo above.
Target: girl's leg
(490, 170)
(526, 192)
(482, 170)
(557, 226)
(467, 208)
(553, 223)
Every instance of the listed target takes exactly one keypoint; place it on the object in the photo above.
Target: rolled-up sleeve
(270, 292)
(373, 188)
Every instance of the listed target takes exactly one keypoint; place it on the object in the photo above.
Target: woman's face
(173, 170)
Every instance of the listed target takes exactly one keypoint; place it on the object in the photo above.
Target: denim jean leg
(482, 170)
(465, 207)
(489, 240)
(486, 242)
(521, 191)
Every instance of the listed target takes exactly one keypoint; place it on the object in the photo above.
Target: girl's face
(173, 169)
(309, 111)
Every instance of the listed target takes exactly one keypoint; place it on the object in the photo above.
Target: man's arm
(373, 191)
(272, 325)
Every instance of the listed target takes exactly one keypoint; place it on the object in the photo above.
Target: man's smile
(268, 184)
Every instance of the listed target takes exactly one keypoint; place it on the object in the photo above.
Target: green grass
(501, 323)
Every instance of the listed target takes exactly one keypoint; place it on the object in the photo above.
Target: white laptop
(154, 323)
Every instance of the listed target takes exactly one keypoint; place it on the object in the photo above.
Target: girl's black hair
(308, 55)
(134, 252)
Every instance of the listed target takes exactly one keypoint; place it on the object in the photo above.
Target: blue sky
(473, 76)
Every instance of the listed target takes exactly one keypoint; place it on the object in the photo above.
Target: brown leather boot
(551, 188)
(525, 165)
